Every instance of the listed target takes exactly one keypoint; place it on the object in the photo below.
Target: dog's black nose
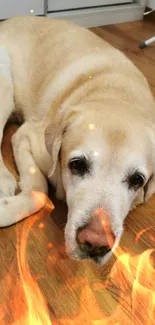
(94, 251)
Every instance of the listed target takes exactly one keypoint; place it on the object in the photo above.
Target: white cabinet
(92, 13)
(151, 4)
(11, 8)
(56, 5)
(89, 13)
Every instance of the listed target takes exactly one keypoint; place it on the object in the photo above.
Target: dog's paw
(7, 183)
(16, 208)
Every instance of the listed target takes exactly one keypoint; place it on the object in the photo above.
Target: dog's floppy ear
(53, 140)
(54, 135)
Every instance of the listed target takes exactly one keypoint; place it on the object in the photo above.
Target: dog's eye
(136, 181)
(78, 166)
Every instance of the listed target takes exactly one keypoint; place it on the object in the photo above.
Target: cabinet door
(11, 8)
(56, 5)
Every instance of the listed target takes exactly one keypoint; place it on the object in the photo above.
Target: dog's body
(76, 93)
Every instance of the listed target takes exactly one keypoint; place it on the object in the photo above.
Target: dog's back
(55, 62)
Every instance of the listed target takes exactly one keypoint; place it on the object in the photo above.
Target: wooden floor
(39, 285)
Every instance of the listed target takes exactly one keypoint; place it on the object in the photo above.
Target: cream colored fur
(62, 78)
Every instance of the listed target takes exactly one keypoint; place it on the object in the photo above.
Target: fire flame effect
(140, 274)
(36, 312)
(135, 272)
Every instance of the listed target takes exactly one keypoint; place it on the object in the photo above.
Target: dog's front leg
(31, 177)
(33, 184)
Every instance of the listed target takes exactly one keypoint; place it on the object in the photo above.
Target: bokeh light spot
(50, 245)
(41, 225)
(91, 126)
(32, 170)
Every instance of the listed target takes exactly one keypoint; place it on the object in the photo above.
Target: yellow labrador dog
(88, 127)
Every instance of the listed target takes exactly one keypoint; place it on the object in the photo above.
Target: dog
(88, 128)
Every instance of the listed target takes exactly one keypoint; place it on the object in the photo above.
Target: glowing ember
(41, 225)
(97, 212)
(91, 126)
(96, 153)
(32, 170)
(50, 245)
(103, 222)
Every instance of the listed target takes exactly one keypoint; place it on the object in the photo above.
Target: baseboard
(102, 16)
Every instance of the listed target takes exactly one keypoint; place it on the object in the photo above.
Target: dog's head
(105, 163)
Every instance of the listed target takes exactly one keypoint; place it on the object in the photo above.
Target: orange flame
(138, 272)
(142, 232)
(144, 290)
(135, 272)
(36, 312)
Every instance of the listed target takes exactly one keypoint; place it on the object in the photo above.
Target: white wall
(11, 8)
(151, 4)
